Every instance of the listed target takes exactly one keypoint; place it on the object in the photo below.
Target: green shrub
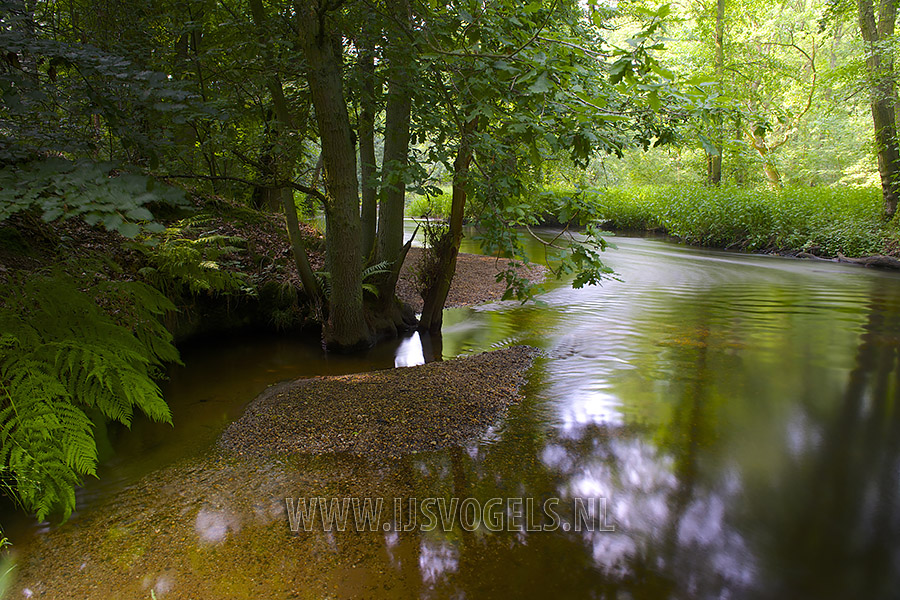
(71, 348)
(437, 206)
(100, 193)
(825, 221)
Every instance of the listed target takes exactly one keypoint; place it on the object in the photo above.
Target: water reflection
(839, 492)
(436, 561)
(740, 415)
(410, 352)
(213, 526)
(692, 413)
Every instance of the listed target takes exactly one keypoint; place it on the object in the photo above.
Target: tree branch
(273, 185)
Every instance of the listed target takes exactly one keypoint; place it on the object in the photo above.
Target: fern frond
(231, 242)
(60, 355)
(324, 280)
(178, 264)
(377, 269)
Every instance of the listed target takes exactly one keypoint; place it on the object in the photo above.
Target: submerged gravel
(383, 413)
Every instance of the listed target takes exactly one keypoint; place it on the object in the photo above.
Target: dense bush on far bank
(824, 221)
(437, 206)
(819, 220)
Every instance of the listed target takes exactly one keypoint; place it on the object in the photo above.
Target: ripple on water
(730, 409)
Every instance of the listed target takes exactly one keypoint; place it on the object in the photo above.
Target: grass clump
(435, 206)
(822, 221)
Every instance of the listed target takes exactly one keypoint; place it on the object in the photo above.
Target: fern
(178, 263)
(62, 354)
(382, 268)
(324, 280)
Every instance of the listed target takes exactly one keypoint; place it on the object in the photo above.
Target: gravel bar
(383, 413)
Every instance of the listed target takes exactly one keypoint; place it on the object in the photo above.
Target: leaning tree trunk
(298, 248)
(771, 171)
(879, 64)
(346, 328)
(284, 196)
(436, 294)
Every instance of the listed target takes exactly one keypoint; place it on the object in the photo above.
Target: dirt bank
(474, 282)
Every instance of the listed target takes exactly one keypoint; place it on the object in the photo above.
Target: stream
(732, 422)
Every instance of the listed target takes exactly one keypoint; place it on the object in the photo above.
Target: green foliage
(435, 206)
(71, 347)
(377, 270)
(96, 192)
(7, 568)
(63, 93)
(374, 271)
(824, 221)
(437, 244)
(578, 257)
(282, 302)
(179, 263)
(790, 95)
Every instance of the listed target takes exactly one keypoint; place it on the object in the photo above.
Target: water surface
(738, 415)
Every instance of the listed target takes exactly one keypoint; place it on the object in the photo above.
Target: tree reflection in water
(837, 516)
(740, 416)
(695, 514)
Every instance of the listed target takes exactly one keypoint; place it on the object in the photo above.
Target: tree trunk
(393, 167)
(301, 260)
(185, 136)
(436, 294)
(396, 147)
(714, 167)
(880, 67)
(366, 132)
(715, 161)
(739, 167)
(194, 39)
(759, 144)
(266, 197)
(346, 328)
(285, 195)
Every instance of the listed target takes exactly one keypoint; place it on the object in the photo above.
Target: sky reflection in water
(739, 414)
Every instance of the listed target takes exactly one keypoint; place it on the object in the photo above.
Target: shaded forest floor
(243, 273)
(475, 280)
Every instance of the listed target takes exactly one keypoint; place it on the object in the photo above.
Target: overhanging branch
(271, 185)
